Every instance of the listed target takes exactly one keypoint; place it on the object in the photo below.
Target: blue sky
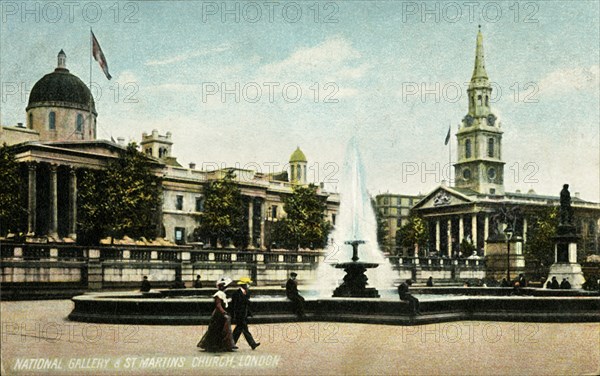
(165, 57)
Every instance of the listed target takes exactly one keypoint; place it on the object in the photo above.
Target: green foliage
(415, 231)
(13, 212)
(305, 225)
(467, 248)
(124, 199)
(539, 250)
(224, 219)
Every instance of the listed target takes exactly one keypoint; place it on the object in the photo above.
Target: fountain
(355, 281)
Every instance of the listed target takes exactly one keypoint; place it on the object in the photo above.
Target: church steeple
(480, 76)
(62, 62)
(479, 165)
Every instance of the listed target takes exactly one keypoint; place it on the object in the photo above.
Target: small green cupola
(298, 167)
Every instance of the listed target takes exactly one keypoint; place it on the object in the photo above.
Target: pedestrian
(291, 291)
(413, 303)
(504, 283)
(218, 336)
(198, 282)
(430, 281)
(241, 312)
(565, 285)
(522, 280)
(146, 286)
(554, 285)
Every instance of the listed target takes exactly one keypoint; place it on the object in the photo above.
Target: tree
(305, 225)
(125, 199)
(414, 232)
(13, 212)
(224, 219)
(539, 249)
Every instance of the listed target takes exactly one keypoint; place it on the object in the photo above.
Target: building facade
(394, 209)
(59, 140)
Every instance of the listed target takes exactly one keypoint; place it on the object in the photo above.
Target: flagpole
(450, 156)
(91, 93)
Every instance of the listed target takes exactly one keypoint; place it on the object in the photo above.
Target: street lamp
(508, 231)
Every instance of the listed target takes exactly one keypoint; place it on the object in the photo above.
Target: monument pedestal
(497, 260)
(565, 257)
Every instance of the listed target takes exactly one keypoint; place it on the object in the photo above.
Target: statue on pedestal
(566, 211)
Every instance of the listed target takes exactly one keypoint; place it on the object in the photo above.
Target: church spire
(480, 77)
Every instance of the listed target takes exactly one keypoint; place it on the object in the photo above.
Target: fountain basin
(153, 308)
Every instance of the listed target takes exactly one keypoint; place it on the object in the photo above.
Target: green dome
(297, 156)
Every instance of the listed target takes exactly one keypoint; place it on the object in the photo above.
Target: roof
(297, 156)
(61, 86)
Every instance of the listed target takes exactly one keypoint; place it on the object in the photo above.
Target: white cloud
(188, 55)
(571, 79)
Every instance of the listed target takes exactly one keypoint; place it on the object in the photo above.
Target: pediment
(441, 197)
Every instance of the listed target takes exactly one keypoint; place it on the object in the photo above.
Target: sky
(245, 83)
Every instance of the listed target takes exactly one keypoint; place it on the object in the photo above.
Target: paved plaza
(37, 339)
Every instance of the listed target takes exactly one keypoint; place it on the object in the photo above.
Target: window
(79, 123)
(487, 101)
(490, 147)
(386, 201)
(385, 211)
(179, 235)
(30, 121)
(468, 148)
(333, 219)
(179, 202)
(493, 191)
(199, 204)
(274, 211)
(466, 174)
(52, 120)
(479, 100)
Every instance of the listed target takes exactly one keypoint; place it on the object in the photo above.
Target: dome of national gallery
(62, 88)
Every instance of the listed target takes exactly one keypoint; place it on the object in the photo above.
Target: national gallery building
(59, 138)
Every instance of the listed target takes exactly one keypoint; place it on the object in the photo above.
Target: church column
(461, 229)
(474, 231)
(449, 237)
(72, 204)
(250, 224)
(53, 228)
(262, 224)
(486, 232)
(32, 202)
(524, 230)
(437, 237)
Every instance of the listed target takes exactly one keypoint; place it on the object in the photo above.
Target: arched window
(30, 120)
(487, 101)
(479, 100)
(490, 147)
(79, 123)
(467, 148)
(472, 101)
(52, 120)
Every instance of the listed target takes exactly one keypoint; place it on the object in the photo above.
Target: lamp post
(508, 231)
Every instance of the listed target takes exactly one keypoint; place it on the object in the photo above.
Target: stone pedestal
(496, 259)
(565, 257)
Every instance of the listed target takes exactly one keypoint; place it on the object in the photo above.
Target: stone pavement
(36, 338)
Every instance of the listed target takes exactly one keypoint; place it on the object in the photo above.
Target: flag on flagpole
(99, 56)
(447, 137)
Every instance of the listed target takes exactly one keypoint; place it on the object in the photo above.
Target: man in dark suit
(291, 291)
(241, 311)
(146, 286)
(413, 302)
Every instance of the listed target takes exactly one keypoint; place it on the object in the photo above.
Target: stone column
(72, 204)
(53, 228)
(32, 200)
(461, 229)
(524, 230)
(486, 232)
(250, 224)
(437, 237)
(262, 224)
(474, 231)
(449, 236)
